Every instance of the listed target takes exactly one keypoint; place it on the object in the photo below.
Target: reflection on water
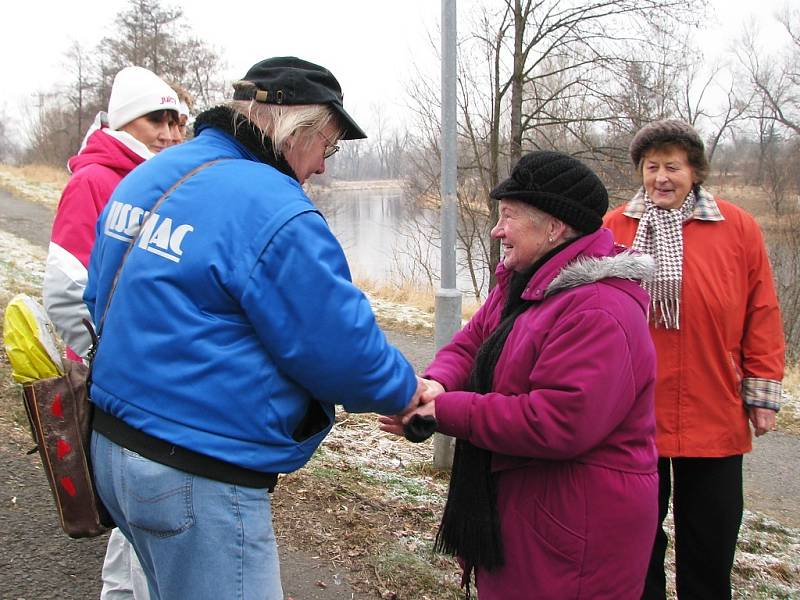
(386, 237)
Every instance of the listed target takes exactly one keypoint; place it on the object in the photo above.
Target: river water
(387, 238)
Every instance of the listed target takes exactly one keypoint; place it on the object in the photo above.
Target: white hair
(280, 122)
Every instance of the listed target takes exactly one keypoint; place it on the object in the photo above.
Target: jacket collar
(626, 264)
(130, 142)
(246, 134)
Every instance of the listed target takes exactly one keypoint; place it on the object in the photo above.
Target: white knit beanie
(136, 92)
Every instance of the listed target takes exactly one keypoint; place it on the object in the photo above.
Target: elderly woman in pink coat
(549, 392)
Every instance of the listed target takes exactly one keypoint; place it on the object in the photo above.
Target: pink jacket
(571, 425)
(96, 171)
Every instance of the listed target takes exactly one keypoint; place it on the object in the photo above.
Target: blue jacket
(235, 315)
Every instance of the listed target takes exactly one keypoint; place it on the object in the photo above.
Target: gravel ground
(38, 560)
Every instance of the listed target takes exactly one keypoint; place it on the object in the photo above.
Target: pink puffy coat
(570, 423)
(96, 171)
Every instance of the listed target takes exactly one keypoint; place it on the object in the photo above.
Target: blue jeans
(195, 537)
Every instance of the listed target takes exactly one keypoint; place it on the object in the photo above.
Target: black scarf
(246, 133)
(470, 527)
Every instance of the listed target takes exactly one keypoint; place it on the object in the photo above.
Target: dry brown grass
(40, 173)
(36, 183)
(751, 198)
(789, 416)
(420, 297)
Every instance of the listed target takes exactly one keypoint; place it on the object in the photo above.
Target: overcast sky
(370, 45)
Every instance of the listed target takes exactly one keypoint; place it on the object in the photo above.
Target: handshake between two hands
(418, 421)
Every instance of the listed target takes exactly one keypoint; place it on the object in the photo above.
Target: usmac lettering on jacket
(160, 235)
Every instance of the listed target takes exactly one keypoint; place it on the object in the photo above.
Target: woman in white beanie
(140, 111)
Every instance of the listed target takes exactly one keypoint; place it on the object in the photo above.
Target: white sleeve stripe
(61, 259)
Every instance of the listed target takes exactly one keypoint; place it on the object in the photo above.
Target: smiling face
(524, 232)
(306, 154)
(667, 176)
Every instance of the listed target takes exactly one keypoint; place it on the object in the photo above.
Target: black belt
(166, 453)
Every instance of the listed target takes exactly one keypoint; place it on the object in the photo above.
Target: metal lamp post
(448, 297)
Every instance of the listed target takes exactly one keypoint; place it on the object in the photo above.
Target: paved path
(29, 220)
(38, 561)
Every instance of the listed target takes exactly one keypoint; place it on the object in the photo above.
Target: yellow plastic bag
(29, 341)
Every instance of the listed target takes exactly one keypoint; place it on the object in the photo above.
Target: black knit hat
(559, 185)
(664, 132)
(290, 80)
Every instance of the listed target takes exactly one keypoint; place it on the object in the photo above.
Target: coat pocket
(549, 556)
(569, 545)
(737, 373)
(315, 420)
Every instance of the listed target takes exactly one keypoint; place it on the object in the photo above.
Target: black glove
(420, 428)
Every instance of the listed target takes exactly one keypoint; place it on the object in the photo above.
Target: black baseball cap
(291, 80)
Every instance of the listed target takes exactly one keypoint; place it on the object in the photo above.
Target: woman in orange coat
(717, 329)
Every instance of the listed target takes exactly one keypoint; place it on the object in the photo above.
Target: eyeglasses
(330, 147)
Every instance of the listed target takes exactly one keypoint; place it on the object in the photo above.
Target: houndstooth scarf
(660, 234)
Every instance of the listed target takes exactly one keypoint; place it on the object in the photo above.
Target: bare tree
(156, 37)
(775, 80)
(349, 164)
(9, 148)
(80, 92)
(545, 74)
(49, 131)
(772, 101)
(198, 67)
(146, 34)
(381, 140)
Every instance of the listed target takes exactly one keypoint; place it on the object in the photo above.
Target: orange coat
(729, 350)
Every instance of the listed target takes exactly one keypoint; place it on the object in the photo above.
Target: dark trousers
(707, 510)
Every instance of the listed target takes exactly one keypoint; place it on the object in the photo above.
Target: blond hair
(183, 95)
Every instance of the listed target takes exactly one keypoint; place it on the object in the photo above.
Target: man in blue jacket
(229, 334)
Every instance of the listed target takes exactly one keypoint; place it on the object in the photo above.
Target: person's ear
(555, 230)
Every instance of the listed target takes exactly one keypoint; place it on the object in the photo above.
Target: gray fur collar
(626, 265)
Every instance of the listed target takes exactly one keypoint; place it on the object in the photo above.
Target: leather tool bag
(60, 413)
